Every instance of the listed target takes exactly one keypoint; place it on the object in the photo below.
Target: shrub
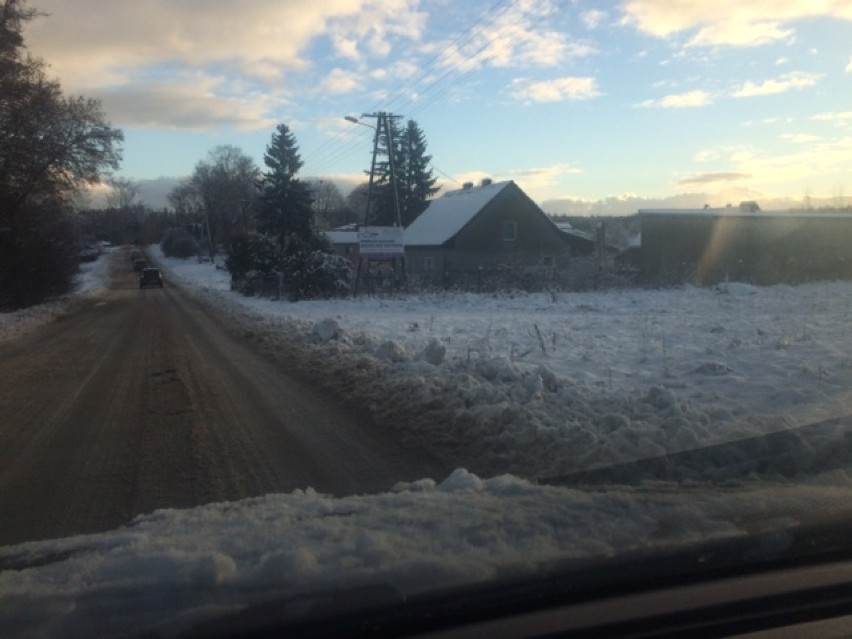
(251, 256)
(178, 242)
(311, 271)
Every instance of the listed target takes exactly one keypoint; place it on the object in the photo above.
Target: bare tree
(329, 206)
(226, 184)
(50, 145)
(122, 193)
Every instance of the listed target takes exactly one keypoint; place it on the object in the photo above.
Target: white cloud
(801, 138)
(740, 34)
(689, 99)
(373, 29)
(556, 90)
(707, 155)
(593, 18)
(111, 50)
(840, 119)
(782, 84)
(194, 102)
(836, 116)
(728, 22)
(340, 81)
(536, 181)
(813, 158)
(514, 37)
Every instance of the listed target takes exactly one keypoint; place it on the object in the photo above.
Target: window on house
(510, 231)
(428, 264)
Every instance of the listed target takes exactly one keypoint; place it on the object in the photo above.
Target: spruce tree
(415, 181)
(418, 181)
(285, 201)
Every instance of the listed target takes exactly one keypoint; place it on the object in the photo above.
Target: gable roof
(447, 215)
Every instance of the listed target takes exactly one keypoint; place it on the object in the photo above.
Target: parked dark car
(150, 277)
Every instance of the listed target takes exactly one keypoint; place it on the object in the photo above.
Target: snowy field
(532, 385)
(542, 385)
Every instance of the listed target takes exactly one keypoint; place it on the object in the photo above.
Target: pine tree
(418, 181)
(415, 181)
(285, 201)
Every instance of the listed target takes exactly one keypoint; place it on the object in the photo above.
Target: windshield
(306, 298)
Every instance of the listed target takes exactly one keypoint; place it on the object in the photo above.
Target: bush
(178, 242)
(252, 259)
(311, 271)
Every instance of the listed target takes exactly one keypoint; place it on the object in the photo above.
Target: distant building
(580, 242)
(709, 245)
(483, 229)
(344, 241)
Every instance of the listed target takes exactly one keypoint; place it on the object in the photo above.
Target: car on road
(150, 277)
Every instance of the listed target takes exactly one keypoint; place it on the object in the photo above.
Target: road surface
(140, 400)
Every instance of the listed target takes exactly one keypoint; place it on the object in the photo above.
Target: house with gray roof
(477, 231)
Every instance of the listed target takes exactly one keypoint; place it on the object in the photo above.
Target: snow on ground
(543, 385)
(537, 385)
(174, 568)
(89, 282)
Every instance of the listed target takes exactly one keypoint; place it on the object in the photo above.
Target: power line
(453, 75)
(468, 34)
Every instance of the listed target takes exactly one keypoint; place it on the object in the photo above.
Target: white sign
(381, 242)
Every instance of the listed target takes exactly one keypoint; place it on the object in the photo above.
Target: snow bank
(90, 282)
(175, 567)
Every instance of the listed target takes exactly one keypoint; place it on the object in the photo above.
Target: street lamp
(354, 120)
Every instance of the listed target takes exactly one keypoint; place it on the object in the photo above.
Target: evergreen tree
(415, 181)
(418, 180)
(285, 201)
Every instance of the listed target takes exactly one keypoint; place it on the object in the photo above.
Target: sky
(614, 104)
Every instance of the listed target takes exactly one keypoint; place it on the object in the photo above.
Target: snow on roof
(448, 214)
(583, 235)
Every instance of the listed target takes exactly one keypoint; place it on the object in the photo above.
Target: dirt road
(140, 400)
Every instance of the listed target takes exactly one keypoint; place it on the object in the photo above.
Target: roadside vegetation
(50, 145)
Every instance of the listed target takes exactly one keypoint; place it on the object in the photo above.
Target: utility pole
(384, 122)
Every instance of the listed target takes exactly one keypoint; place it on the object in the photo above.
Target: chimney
(467, 186)
(487, 181)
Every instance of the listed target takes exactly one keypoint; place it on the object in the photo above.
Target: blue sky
(630, 103)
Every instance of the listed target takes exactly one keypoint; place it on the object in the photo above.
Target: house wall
(481, 244)
(762, 249)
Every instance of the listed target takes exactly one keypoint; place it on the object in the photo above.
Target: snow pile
(543, 385)
(175, 567)
(90, 282)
